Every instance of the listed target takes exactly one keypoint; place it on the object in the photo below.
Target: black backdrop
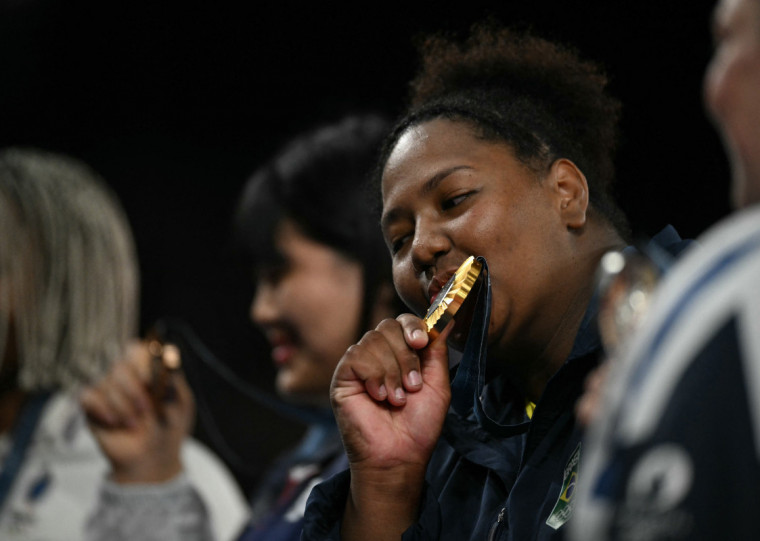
(176, 103)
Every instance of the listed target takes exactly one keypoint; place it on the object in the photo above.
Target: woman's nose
(429, 243)
(264, 306)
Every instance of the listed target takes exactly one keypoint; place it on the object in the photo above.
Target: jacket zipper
(495, 527)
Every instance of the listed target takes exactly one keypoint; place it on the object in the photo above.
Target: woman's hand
(390, 393)
(140, 438)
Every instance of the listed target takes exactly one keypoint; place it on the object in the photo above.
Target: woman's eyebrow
(389, 217)
(433, 182)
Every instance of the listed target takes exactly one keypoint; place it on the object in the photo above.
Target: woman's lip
(282, 353)
(437, 283)
(283, 347)
(433, 290)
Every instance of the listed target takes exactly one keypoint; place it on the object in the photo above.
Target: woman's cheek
(414, 304)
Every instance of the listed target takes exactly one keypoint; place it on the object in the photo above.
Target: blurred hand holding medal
(165, 360)
(626, 281)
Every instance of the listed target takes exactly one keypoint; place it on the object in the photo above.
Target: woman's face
(309, 309)
(732, 93)
(448, 195)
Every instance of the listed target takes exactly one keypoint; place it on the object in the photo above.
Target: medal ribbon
(469, 380)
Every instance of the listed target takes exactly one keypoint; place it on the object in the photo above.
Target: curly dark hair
(537, 96)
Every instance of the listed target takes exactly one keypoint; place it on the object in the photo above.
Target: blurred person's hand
(140, 435)
(587, 407)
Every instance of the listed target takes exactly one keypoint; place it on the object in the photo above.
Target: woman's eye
(398, 244)
(452, 202)
(273, 273)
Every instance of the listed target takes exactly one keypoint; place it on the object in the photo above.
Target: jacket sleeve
(170, 511)
(428, 525)
(324, 508)
(324, 513)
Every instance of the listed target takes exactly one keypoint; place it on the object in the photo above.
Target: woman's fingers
(120, 398)
(414, 331)
(97, 408)
(374, 361)
(387, 360)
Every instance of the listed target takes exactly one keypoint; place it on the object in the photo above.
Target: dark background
(176, 104)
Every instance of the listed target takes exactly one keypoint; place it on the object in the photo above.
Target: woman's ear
(571, 191)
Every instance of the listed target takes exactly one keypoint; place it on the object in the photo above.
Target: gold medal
(450, 298)
(166, 359)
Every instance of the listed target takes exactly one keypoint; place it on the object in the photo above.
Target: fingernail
(382, 391)
(400, 394)
(417, 334)
(414, 378)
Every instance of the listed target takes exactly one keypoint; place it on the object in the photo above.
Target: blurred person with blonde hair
(69, 288)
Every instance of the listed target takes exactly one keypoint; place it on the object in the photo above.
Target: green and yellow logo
(564, 506)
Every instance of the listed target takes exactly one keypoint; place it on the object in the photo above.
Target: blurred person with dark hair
(68, 309)
(506, 153)
(674, 452)
(309, 231)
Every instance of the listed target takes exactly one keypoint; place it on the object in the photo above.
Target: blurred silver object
(626, 281)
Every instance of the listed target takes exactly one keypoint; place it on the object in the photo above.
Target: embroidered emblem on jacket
(564, 506)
